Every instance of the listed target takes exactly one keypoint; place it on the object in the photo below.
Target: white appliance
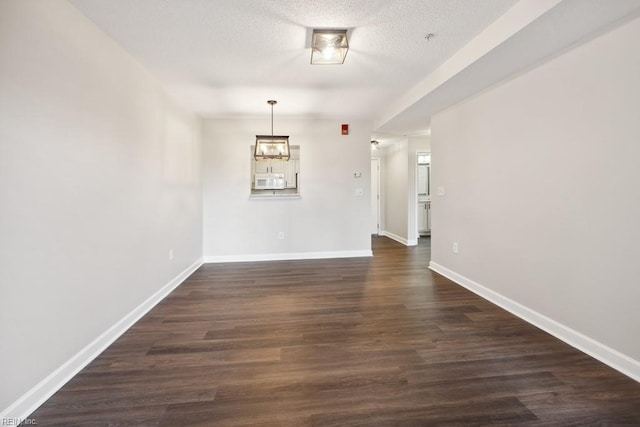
(269, 181)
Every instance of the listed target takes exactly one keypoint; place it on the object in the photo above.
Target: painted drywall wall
(396, 177)
(99, 179)
(328, 219)
(541, 178)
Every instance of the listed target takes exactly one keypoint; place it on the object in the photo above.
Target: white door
(375, 196)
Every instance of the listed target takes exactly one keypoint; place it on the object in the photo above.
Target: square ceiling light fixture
(329, 47)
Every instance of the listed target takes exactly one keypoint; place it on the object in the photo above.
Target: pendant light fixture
(272, 146)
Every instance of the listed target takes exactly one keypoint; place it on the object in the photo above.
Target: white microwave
(269, 181)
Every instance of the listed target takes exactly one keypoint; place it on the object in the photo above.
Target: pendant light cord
(272, 102)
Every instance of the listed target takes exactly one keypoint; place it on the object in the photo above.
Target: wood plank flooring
(379, 341)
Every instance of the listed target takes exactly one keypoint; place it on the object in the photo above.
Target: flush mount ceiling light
(272, 146)
(329, 46)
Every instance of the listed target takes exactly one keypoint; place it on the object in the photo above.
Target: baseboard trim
(215, 259)
(32, 399)
(607, 355)
(398, 238)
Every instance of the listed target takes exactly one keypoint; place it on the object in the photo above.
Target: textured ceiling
(225, 58)
(530, 33)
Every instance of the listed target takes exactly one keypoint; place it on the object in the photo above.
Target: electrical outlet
(281, 235)
(170, 254)
(455, 247)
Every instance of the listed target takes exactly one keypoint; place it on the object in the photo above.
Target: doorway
(423, 177)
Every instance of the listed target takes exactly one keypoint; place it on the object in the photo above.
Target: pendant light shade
(272, 146)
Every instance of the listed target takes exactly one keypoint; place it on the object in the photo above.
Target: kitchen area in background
(276, 177)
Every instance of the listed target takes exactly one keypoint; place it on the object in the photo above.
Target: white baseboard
(398, 238)
(32, 399)
(286, 256)
(618, 361)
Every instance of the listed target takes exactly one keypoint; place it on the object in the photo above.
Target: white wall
(327, 220)
(542, 193)
(396, 177)
(99, 179)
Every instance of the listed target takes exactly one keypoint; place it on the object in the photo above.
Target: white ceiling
(226, 58)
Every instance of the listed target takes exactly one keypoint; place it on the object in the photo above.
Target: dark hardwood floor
(379, 341)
